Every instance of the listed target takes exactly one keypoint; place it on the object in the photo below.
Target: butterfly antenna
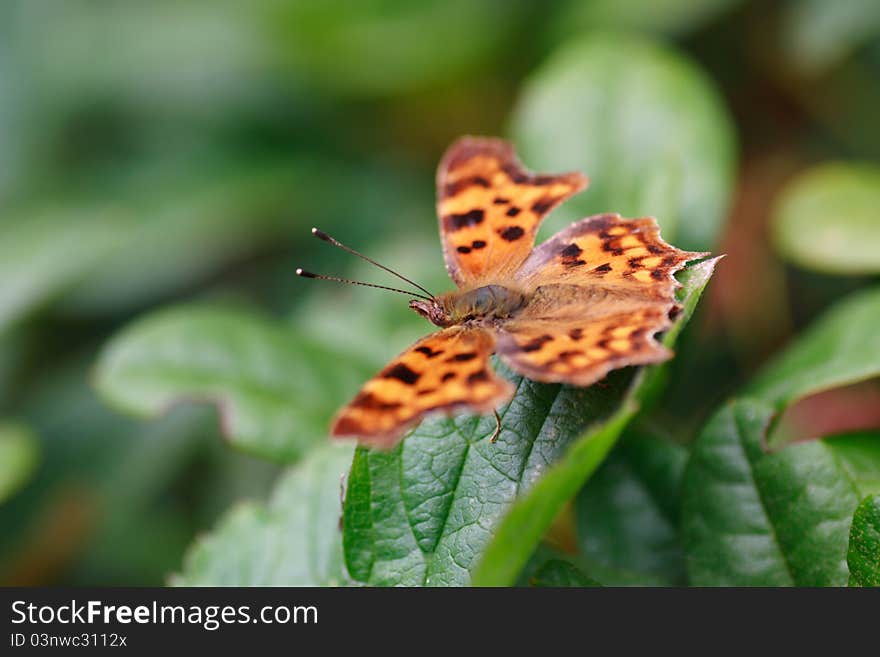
(307, 274)
(321, 235)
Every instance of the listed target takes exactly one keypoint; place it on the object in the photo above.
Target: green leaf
(275, 390)
(627, 515)
(755, 519)
(863, 556)
(841, 347)
(426, 512)
(19, 453)
(643, 122)
(294, 540)
(560, 573)
(828, 219)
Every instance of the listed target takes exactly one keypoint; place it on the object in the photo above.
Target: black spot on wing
(535, 344)
(570, 256)
(462, 358)
(541, 206)
(369, 401)
(402, 373)
(571, 251)
(455, 222)
(476, 377)
(610, 247)
(447, 376)
(429, 353)
(463, 249)
(511, 233)
(478, 244)
(512, 211)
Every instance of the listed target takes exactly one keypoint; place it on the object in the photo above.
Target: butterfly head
(433, 310)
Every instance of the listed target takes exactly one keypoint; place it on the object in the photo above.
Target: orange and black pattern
(490, 208)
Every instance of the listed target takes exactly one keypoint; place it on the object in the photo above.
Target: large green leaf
(643, 122)
(18, 457)
(841, 347)
(294, 540)
(428, 511)
(828, 219)
(274, 389)
(755, 519)
(627, 515)
(863, 557)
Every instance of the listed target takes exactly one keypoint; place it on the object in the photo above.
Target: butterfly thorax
(481, 306)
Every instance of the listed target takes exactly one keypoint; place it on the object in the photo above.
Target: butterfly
(589, 300)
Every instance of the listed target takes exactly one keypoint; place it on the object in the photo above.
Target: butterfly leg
(497, 431)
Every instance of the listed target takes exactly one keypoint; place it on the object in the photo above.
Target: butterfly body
(588, 300)
(488, 305)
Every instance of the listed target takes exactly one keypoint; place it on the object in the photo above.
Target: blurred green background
(161, 153)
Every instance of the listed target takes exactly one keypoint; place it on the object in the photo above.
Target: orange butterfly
(587, 301)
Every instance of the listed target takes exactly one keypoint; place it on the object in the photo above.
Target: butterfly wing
(601, 290)
(446, 371)
(490, 208)
(581, 352)
(609, 251)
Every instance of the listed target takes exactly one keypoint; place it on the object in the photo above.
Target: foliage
(166, 381)
(827, 219)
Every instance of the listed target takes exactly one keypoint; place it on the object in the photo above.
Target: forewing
(446, 371)
(490, 208)
(581, 352)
